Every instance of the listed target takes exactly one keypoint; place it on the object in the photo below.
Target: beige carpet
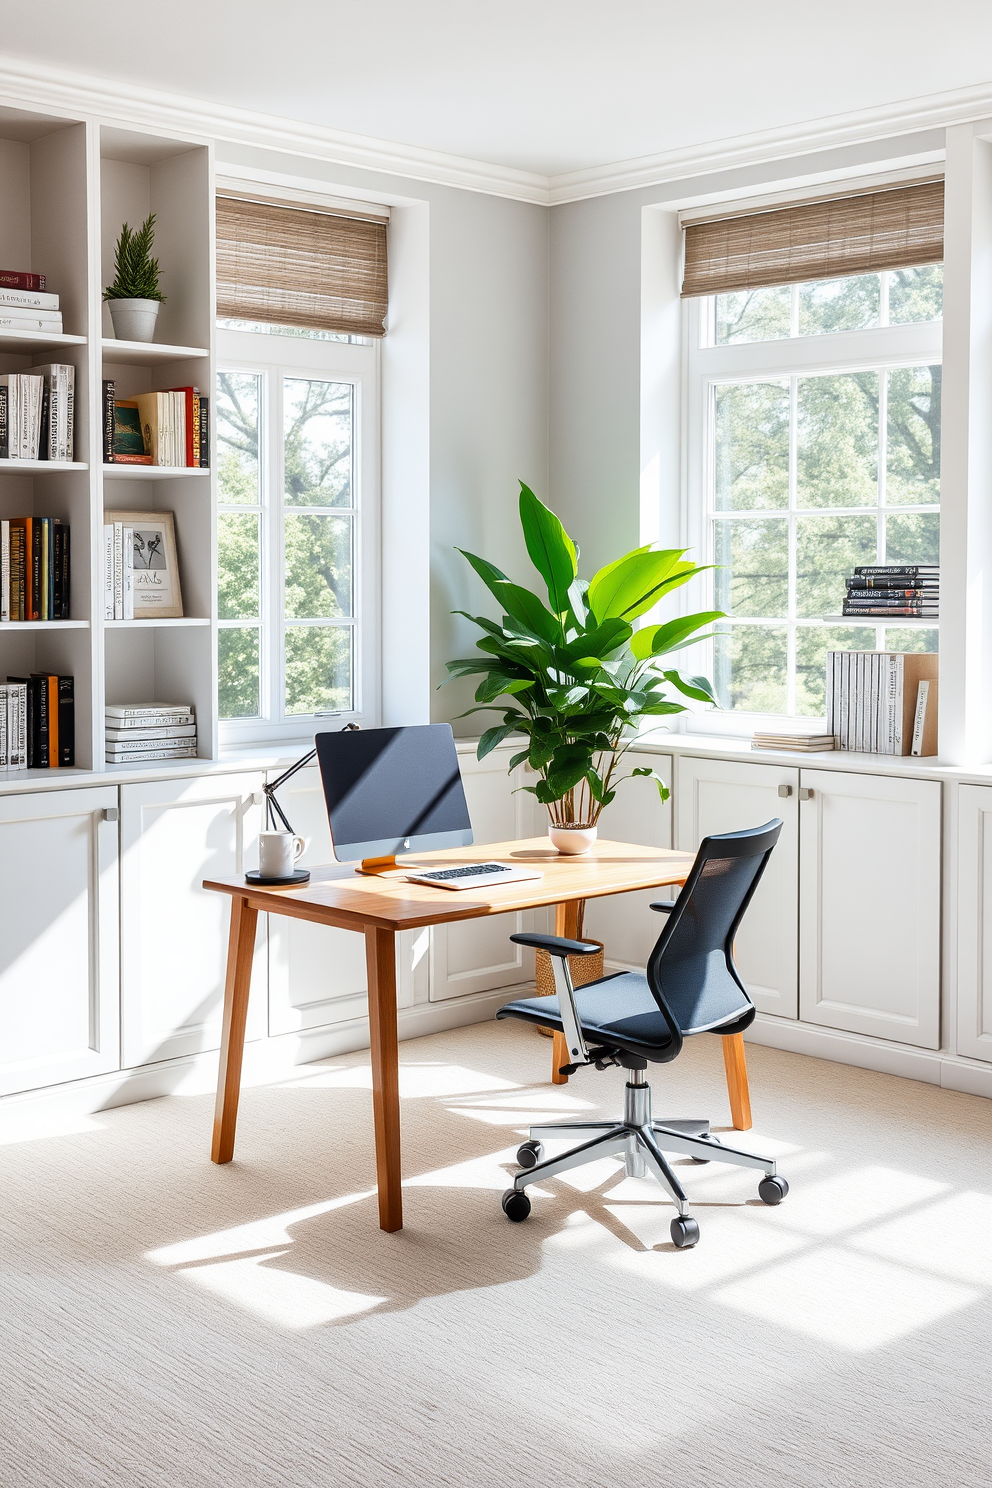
(169, 1324)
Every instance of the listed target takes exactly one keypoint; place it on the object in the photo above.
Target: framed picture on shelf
(157, 593)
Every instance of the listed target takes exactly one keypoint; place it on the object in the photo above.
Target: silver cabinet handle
(805, 794)
(110, 813)
(785, 790)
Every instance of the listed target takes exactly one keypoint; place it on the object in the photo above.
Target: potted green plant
(575, 676)
(134, 297)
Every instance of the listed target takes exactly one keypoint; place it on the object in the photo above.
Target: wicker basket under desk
(583, 969)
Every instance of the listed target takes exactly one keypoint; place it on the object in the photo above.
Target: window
(295, 422)
(814, 446)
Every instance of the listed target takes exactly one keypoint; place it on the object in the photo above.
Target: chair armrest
(556, 945)
(664, 905)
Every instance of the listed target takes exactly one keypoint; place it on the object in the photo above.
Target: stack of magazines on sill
(136, 732)
(37, 722)
(892, 590)
(36, 413)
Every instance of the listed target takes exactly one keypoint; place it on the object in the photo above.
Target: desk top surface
(338, 895)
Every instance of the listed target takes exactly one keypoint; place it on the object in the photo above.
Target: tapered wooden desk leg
(737, 1087)
(240, 951)
(380, 957)
(566, 925)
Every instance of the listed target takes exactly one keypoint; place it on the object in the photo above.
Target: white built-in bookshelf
(67, 185)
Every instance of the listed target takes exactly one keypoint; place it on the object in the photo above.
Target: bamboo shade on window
(288, 266)
(890, 229)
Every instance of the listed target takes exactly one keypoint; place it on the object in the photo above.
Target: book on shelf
(30, 320)
(204, 432)
(19, 279)
(872, 698)
(889, 570)
(159, 428)
(149, 731)
(35, 570)
(27, 299)
(799, 742)
(13, 726)
(127, 440)
(925, 718)
(118, 571)
(50, 728)
(58, 396)
(36, 413)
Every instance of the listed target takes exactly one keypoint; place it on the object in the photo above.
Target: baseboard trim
(932, 1066)
(264, 1060)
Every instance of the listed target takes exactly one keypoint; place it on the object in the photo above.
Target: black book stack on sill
(894, 591)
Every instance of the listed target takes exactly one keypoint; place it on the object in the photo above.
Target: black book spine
(67, 721)
(882, 586)
(49, 577)
(4, 437)
(61, 606)
(41, 722)
(109, 393)
(46, 420)
(35, 569)
(898, 571)
(204, 433)
(890, 596)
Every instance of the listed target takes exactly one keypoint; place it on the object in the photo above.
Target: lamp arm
(269, 791)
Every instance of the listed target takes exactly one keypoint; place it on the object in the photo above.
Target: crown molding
(77, 95)
(124, 104)
(937, 111)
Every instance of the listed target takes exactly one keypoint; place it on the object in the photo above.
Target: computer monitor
(391, 790)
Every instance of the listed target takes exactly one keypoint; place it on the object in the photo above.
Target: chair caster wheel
(529, 1154)
(773, 1190)
(684, 1232)
(701, 1161)
(516, 1205)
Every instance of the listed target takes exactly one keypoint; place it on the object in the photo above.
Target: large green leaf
(492, 737)
(519, 603)
(551, 550)
(499, 682)
(599, 641)
(629, 587)
(700, 688)
(655, 640)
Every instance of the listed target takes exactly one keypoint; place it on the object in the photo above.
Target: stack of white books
(149, 731)
(30, 310)
(118, 571)
(36, 413)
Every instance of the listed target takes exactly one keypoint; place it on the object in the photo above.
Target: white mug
(278, 853)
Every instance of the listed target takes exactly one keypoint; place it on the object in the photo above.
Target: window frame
(705, 365)
(277, 358)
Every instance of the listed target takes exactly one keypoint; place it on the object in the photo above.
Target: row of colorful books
(883, 702)
(36, 413)
(34, 569)
(135, 732)
(171, 427)
(24, 304)
(37, 722)
(889, 590)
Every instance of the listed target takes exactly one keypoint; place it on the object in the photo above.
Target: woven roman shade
(893, 228)
(285, 265)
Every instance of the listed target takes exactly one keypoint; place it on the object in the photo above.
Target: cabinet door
(870, 905)
(974, 909)
(316, 973)
(625, 923)
(176, 833)
(59, 968)
(725, 796)
(478, 955)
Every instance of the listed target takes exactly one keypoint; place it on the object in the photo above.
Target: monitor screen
(391, 790)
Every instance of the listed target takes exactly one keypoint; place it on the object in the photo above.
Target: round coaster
(298, 876)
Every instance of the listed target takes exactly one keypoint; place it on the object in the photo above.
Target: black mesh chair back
(691, 970)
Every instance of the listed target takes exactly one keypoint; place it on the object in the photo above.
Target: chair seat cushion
(617, 1010)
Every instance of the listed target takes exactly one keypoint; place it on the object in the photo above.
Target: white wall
(465, 409)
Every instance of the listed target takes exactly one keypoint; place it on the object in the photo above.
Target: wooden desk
(379, 907)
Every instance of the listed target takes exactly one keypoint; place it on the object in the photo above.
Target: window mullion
(793, 503)
(274, 555)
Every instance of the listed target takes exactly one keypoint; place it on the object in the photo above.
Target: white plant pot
(572, 840)
(134, 320)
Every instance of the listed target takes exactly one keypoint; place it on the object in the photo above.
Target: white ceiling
(541, 85)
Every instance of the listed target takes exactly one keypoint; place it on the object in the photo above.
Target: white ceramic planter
(134, 320)
(572, 840)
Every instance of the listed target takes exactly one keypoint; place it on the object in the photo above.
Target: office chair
(691, 985)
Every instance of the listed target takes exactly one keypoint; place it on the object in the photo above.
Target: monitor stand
(382, 866)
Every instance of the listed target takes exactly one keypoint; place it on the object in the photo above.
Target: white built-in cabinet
(974, 921)
(174, 834)
(59, 988)
(869, 920)
(725, 796)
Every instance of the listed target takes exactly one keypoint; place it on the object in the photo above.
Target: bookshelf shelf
(32, 467)
(8, 627)
(20, 343)
(156, 624)
(151, 472)
(147, 353)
